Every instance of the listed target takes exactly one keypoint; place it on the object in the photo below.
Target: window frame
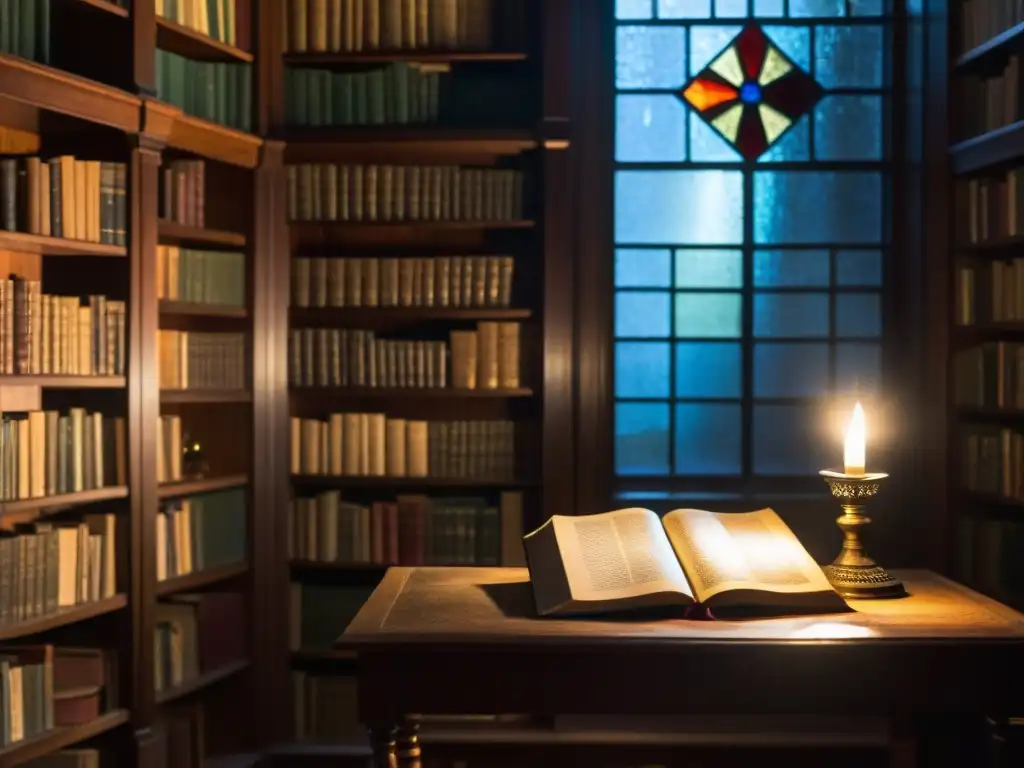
(905, 318)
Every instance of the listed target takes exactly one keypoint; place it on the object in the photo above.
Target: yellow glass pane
(774, 122)
(728, 66)
(728, 123)
(775, 66)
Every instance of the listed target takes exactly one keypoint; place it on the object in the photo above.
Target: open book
(631, 559)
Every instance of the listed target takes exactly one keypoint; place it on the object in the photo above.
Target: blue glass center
(750, 93)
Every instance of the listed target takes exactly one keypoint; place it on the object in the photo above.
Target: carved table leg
(382, 741)
(408, 745)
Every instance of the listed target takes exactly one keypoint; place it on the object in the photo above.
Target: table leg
(382, 741)
(408, 745)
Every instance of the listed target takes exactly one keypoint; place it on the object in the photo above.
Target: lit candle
(853, 445)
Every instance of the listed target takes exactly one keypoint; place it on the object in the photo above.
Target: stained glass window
(750, 231)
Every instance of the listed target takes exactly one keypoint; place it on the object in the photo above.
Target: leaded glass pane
(684, 9)
(643, 268)
(859, 268)
(786, 440)
(649, 57)
(791, 315)
(817, 207)
(848, 128)
(641, 369)
(790, 370)
(708, 316)
(649, 128)
(816, 9)
(707, 439)
(708, 369)
(791, 269)
(858, 315)
(641, 314)
(709, 268)
(848, 57)
(633, 9)
(679, 207)
(858, 368)
(641, 438)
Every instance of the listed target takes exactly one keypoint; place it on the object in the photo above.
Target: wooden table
(466, 640)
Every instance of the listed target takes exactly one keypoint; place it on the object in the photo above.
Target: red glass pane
(793, 95)
(704, 94)
(751, 45)
(751, 141)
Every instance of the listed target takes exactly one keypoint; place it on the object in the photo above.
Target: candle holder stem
(853, 574)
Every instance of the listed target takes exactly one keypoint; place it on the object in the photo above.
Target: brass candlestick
(853, 574)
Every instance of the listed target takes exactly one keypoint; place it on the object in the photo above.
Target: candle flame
(853, 444)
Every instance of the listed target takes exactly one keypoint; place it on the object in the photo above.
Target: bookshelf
(985, 354)
(190, 342)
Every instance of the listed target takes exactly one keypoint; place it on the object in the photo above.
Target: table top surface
(422, 606)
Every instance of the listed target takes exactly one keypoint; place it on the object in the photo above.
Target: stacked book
(45, 334)
(329, 192)
(442, 281)
(411, 530)
(43, 453)
(371, 444)
(64, 197)
(50, 566)
(194, 360)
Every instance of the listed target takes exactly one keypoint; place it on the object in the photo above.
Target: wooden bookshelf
(385, 393)
(183, 234)
(192, 44)
(24, 242)
(102, 6)
(189, 309)
(202, 682)
(63, 500)
(205, 485)
(362, 317)
(200, 580)
(62, 618)
(984, 422)
(56, 381)
(385, 483)
(173, 396)
(59, 738)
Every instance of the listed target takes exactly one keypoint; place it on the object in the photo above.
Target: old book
(631, 558)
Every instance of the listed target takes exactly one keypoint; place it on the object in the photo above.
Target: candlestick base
(853, 574)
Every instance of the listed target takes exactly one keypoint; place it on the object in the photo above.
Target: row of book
(411, 530)
(365, 25)
(990, 103)
(215, 18)
(45, 334)
(196, 360)
(992, 460)
(981, 20)
(371, 444)
(990, 376)
(988, 555)
(170, 442)
(991, 208)
(329, 192)
(398, 94)
(65, 197)
(196, 634)
(43, 687)
(487, 358)
(200, 277)
(990, 292)
(183, 192)
(206, 530)
(43, 453)
(215, 91)
(440, 281)
(45, 567)
(25, 30)
(329, 357)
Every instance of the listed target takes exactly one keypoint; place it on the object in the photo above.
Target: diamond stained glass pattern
(752, 93)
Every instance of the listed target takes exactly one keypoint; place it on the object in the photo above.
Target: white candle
(853, 444)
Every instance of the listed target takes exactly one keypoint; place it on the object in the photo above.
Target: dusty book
(632, 558)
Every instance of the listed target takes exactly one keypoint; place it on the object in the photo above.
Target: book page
(741, 551)
(618, 555)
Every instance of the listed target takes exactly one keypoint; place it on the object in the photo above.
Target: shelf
(991, 52)
(326, 656)
(52, 89)
(206, 485)
(202, 682)
(409, 393)
(202, 138)
(189, 309)
(101, 5)
(200, 579)
(310, 145)
(55, 381)
(353, 316)
(995, 245)
(56, 246)
(192, 44)
(63, 500)
(59, 738)
(991, 149)
(330, 481)
(384, 57)
(184, 234)
(398, 226)
(62, 618)
(183, 396)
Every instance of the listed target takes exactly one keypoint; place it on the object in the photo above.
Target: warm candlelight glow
(853, 445)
